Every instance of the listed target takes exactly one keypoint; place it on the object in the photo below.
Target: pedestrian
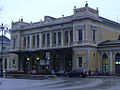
(53, 72)
(4, 73)
(89, 72)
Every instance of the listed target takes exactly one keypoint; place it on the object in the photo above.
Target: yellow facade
(85, 32)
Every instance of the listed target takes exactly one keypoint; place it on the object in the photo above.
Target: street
(61, 83)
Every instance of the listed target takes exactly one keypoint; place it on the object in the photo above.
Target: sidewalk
(29, 76)
(98, 76)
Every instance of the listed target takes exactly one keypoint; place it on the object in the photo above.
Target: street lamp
(3, 29)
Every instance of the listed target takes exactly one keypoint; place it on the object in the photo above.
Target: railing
(44, 46)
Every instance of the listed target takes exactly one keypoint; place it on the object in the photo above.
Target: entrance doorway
(117, 63)
(105, 65)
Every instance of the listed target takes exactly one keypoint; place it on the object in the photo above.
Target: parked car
(77, 72)
(13, 71)
(60, 73)
(43, 72)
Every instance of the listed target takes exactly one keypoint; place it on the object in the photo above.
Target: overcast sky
(34, 10)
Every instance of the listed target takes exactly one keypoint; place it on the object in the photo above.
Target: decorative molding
(96, 25)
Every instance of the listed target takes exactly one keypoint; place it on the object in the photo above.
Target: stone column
(62, 38)
(45, 40)
(40, 40)
(51, 39)
(77, 35)
(99, 61)
(111, 67)
(19, 41)
(57, 39)
(35, 41)
(88, 58)
(68, 38)
(27, 42)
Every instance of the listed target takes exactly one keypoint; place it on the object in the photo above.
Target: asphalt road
(62, 83)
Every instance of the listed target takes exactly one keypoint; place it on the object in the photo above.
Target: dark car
(77, 72)
(60, 73)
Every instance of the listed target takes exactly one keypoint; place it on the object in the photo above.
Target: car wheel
(83, 76)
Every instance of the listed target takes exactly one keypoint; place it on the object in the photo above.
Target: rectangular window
(80, 61)
(80, 35)
(94, 35)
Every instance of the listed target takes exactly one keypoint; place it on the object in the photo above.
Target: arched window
(33, 41)
(43, 39)
(54, 38)
(66, 36)
(119, 37)
(28, 41)
(59, 37)
(24, 42)
(117, 58)
(117, 63)
(94, 35)
(105, 65)
(71, 35)
(38, 40)
(5, 63)
(48, 39)
(14, 42)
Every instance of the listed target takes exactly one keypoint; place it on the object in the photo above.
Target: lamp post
(3, 29)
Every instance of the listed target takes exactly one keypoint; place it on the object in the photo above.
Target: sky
(35, 10)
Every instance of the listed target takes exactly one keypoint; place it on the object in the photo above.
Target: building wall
(4, 55)
(85, 19)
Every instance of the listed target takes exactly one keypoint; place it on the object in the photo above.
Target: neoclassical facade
(65, 43)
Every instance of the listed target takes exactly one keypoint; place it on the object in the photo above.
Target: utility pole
(3, 29)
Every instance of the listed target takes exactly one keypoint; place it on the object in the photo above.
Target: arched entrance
(117, 63)
(105, 65)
